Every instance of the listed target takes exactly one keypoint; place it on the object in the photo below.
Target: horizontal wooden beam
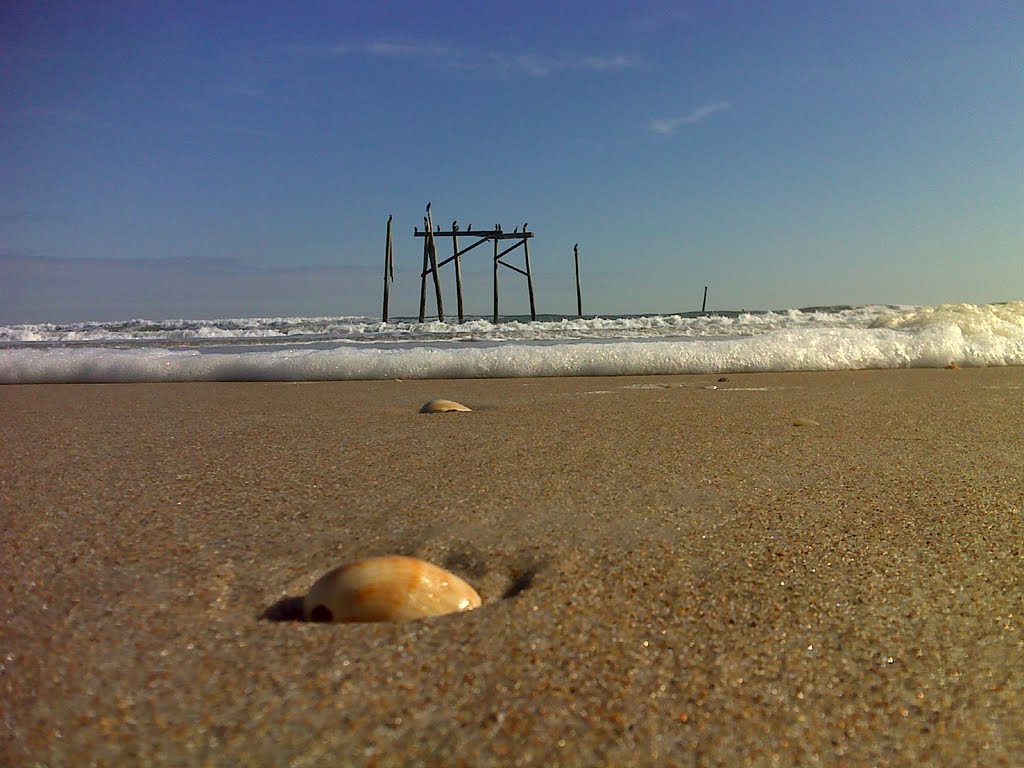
(485, 233)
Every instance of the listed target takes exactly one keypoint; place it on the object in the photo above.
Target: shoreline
(670, 573)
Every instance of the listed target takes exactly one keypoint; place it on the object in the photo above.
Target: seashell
(390, 588)
(952, 367)
(802, 422)
(443, 406)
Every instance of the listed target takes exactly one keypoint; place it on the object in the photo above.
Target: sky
(224, 159)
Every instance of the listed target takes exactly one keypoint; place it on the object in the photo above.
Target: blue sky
(221, 159)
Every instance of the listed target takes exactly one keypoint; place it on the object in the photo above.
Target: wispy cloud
(485, 63)
(532, 65)
(376, 48)
(667, 126)
(47, 114)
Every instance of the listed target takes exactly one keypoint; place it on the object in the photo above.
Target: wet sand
(671, 574)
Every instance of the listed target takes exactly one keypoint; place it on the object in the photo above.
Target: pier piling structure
(431, 265)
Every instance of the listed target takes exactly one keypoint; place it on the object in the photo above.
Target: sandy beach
(672, 572)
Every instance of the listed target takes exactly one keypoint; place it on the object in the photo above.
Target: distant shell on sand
(443, 406)
(952, 367)
(800, 421)
(391, 588)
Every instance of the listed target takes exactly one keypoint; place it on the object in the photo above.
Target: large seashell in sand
(391, 588)
(443, 406)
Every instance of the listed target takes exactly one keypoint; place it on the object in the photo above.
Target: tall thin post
(423, 279)
(495, 280)
(579, 295)
(704, 305)
(432, 251)
(458, 268)
(529, 278)
(388, 269)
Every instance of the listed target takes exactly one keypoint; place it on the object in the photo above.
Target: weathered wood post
(704, 305)
(458, 268)
(529, 275)
(423, 277)
(389, 271)
(579, 295)
(495, 280)
(432, 250)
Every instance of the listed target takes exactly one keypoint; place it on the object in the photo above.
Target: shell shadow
(520, 583)
(285, 609)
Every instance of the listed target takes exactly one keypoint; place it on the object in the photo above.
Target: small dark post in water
(495, 281)
(389, 271)
(423, 276)
(705, 304)
(579, 295)
(432, 251)
(529, 277)
(458, 268)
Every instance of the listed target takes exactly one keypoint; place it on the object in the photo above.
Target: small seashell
(443, 406)
(390, 588)
(952, 367)
(802, 422)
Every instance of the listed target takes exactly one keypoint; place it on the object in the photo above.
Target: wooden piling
(704, 305)
(579, 294)
(496, 281)
(529, 278)
(423, 276)
(432, 251)
(389, 271)
(458, 268)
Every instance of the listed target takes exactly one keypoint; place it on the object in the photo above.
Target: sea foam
(304, 349)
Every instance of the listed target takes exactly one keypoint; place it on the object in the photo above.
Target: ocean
(354, 347)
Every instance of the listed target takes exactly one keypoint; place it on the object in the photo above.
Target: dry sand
(672, 575)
